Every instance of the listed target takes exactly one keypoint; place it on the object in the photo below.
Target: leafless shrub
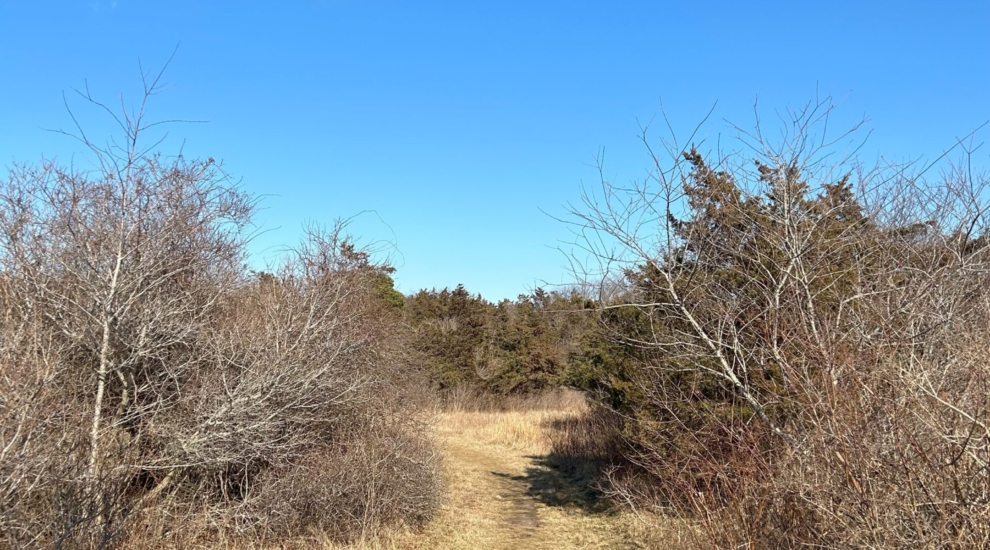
(324, 396)
(810, 340)
(114, 276)
(150, 384)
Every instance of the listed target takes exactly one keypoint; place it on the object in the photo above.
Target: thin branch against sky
(461, 125)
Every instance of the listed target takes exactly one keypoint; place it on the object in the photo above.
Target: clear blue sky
(457, 122)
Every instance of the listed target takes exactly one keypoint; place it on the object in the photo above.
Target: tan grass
(523, 425)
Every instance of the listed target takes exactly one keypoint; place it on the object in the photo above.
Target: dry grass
(519, 423)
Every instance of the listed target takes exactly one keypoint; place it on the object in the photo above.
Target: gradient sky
(460, 123)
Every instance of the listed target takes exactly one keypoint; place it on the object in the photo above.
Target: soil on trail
(505, 497)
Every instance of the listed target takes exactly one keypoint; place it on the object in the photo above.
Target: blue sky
(460, 123)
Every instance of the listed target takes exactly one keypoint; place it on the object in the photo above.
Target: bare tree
(145, 369)
(791, 309)
(120, 268)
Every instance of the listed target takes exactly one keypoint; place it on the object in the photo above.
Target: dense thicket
(151, 386)
(799, 346)
(531, 344)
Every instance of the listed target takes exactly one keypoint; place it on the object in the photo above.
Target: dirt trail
(501, 497)
(511, 516)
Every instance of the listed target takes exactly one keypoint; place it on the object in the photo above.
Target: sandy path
(505, 498)
(508, 517)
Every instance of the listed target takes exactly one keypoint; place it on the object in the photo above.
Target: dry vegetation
(506, 490)
(508, 487)
(526, 423)
(803, 342)
(788, 350)
(155, 393)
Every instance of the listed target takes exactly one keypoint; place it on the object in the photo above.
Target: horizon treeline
(541, 341)
(534, 343)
